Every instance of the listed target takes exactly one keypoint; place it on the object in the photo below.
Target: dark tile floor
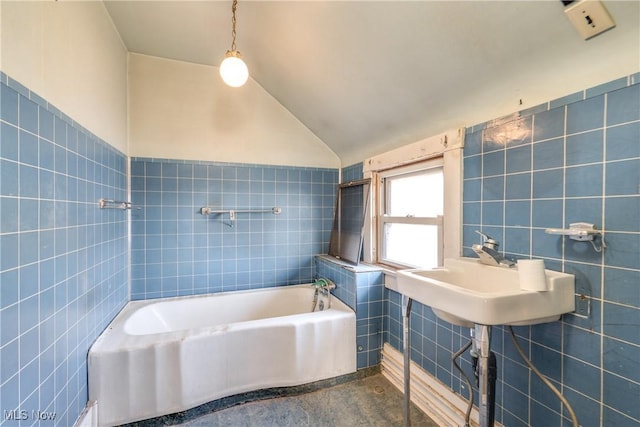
(368, 402)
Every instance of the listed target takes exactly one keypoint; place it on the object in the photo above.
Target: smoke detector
(590, 17)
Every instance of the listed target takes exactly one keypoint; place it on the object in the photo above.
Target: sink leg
(406, 349)
(487, 374)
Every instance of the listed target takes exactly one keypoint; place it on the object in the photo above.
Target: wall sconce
(233, 70)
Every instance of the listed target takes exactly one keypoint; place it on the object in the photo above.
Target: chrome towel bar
(232, 212)
(115, 204)
(210, 211)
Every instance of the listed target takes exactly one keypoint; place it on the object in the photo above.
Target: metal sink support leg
(406, 349)
(487, 374)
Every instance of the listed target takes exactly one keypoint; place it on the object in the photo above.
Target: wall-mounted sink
(465, 292)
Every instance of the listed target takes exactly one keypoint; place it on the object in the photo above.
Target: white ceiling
(368, 76)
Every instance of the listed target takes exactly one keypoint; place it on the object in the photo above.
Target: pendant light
(233, 70)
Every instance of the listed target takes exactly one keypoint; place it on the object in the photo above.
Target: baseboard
(434, 398)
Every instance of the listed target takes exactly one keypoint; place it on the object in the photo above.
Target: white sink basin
(466, 292)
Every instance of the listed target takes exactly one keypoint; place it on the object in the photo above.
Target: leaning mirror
(348, 222)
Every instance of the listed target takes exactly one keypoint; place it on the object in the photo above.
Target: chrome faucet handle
(488, 241)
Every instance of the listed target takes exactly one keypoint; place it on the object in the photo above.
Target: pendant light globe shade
(233, 70)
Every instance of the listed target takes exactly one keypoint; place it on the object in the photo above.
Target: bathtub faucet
(324, 284)
(324, 287)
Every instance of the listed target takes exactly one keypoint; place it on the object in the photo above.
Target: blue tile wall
(433, 341)
(178, 251)
(352, 173)
(362, 289)
(573, 159)
(342, 276)
(63, 268)
(369, 317)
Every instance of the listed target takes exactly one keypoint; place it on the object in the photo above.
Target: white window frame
(383, 218)
(447, 145)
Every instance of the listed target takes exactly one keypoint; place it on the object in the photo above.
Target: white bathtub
(163, 356)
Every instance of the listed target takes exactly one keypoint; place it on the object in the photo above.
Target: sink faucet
(488, 252)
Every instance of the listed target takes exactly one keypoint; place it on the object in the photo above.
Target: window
(410, 220)
(416, 201)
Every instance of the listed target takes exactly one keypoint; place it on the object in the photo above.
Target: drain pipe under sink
(487, 374)
(486, 370)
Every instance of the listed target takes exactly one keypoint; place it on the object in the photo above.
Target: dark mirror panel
(347, 232)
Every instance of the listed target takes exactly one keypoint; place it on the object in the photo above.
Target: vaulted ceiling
(367, 76)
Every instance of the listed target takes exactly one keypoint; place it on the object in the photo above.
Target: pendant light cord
(233, 25)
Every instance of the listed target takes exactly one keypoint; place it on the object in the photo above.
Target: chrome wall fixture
(115, 204)
(233, 212)
(581, 232)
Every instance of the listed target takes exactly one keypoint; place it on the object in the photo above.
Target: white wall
(70, 54)
(181, 110)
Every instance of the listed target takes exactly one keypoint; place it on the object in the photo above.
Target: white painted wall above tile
(70, 54)
(181, 110)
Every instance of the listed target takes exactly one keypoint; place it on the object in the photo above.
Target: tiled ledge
(360, 268)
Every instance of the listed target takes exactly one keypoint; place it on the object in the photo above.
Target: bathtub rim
(115, 330)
